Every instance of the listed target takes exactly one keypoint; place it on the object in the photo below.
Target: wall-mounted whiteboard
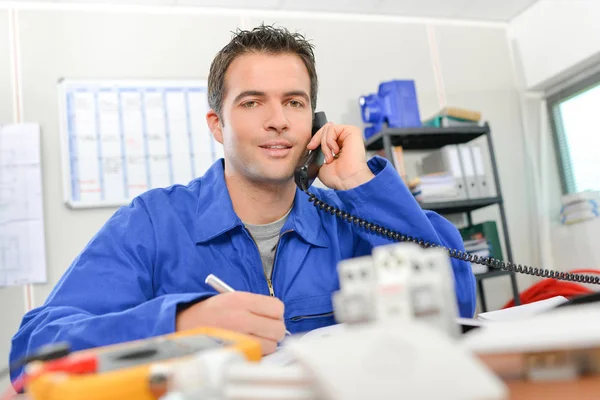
(122, 138)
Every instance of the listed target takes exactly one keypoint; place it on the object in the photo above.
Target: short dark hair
(266, 39)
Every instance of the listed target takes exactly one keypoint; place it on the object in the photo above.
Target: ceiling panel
(422, 8)
(129, 2)
(495, 10)
(246, 4)
(482, 10)
(349, 6)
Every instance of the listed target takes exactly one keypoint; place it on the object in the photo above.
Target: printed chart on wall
(122, 138)
(22, 247)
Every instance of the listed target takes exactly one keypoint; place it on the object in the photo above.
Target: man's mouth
(276, 147)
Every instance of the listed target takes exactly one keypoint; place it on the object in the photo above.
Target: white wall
(6, 98)
(557, 39)
(478, 74)
(354, 54)
(12, 301)
(556, 43)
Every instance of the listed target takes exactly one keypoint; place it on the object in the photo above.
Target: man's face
(266, 116)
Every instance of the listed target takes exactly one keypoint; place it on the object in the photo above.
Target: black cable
(458, 254)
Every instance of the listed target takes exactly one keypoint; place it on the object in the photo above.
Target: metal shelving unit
(462, 206)
(428, 138)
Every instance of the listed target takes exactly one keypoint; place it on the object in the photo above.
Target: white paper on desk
(22, 247)
(524, 311)
(471, 322)
(325, 331)
(282, 357)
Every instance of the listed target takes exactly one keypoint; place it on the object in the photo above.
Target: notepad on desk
(524, 311)
(281, 357)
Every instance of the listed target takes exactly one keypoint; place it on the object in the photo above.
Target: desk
(581, 389)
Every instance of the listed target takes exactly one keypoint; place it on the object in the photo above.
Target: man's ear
(214, 124)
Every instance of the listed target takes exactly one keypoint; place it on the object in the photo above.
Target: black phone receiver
(307, 169)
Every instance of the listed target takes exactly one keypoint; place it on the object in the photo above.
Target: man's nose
(276, 119)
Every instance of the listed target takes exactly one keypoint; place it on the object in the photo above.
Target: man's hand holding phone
(345, 164)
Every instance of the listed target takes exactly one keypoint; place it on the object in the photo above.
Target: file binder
(483, 181)
(447, 159)
(469, 171)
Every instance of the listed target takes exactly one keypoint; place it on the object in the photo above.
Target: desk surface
(581, 389)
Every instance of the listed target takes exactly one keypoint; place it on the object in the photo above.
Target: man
(245, 221)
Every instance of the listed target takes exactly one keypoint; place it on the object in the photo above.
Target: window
(575, 114)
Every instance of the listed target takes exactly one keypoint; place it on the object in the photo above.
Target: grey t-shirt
(266, 237)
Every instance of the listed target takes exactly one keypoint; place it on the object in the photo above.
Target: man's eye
(249, 104)
(296, 104)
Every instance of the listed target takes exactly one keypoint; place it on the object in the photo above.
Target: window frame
(567, 178)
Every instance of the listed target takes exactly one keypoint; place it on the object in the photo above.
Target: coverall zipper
(270, 278)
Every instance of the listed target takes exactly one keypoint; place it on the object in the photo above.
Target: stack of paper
(454, 116)
(482, 240)
(524, 311)
(478, 247)
(578, 207)
(434, 187)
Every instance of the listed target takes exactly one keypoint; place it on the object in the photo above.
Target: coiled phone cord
(460, 255)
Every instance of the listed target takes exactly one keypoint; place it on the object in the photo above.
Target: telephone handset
(307, 170)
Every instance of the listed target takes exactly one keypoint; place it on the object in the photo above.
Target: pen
(222, 287)
(218, 284)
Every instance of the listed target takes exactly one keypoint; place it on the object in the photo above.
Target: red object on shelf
(549, 288)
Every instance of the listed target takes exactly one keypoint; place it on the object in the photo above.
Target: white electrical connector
(226, 375)
(436, 275)
(399, 281)
(354, 303)
(292, 375)
(392, 264)
(203, 376)
(424, 281)
(246, 381)
(174, 396)
(267, 392)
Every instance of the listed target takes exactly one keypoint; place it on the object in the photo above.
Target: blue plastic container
(395, 104)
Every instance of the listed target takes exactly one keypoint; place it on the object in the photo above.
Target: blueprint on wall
(22, 246)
